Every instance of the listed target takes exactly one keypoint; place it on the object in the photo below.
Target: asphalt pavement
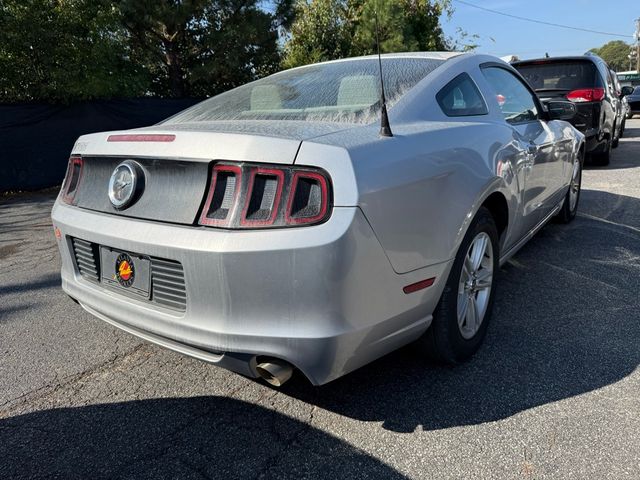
(553, 393)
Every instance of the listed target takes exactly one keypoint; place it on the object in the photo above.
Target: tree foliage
(322, 30)
(66, 50)
(200, 47)
(615, 53)
(330, 29)
(62, 50)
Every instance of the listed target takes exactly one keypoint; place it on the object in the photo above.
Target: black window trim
(542, 113)
(474, 85)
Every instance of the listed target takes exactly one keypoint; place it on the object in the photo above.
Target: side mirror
(627, 90)
(561, 110)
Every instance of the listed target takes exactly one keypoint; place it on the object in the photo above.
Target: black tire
(566, 214)
(443, 340)
(603, 158)
(616, 138)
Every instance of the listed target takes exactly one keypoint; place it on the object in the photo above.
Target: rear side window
(461, 98)
(570, 75)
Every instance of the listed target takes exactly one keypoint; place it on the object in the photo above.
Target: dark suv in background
(587, 82)
(633, 100)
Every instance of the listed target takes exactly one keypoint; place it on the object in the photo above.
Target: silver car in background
(272, 227)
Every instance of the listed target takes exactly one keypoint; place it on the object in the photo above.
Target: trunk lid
(256, 141)
(175, 161)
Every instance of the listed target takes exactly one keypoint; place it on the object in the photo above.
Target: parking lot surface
(553, 393)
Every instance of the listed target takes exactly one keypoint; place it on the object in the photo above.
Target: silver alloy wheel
(474, 288)
(574, 188)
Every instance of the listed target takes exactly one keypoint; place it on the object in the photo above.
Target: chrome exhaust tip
(275, 372)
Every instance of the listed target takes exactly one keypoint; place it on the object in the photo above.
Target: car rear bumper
(323, 298)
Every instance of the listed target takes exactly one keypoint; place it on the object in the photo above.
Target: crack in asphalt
(40, 393)
(168, 440)
(269, 464)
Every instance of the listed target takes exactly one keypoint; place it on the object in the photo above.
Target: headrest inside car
(265, 97)
(358, 90)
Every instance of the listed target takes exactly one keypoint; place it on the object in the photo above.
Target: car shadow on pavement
(199, 437)
(44, 282)
(625, 156)
(565, 323)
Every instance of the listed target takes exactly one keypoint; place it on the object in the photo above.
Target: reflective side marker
(422, 284)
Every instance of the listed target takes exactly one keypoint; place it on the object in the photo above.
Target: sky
(501, 36)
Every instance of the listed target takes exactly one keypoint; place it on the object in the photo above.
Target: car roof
(425, 55)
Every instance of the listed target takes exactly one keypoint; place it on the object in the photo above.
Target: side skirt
(513, 250)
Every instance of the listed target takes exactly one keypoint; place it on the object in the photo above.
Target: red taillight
(586, 95)
(256, 196)
(226, 181)
(263, 197)
(302, 208)
(72, 179)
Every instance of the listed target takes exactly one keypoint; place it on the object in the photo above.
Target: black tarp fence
(36, 139)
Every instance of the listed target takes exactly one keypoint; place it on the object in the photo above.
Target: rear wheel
(462, 315)
(571, 200)
(603, 157)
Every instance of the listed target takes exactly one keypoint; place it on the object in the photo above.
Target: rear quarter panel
(421, 188)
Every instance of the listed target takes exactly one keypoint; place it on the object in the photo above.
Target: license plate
(125, 272)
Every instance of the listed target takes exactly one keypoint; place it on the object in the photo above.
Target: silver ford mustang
(277, 226)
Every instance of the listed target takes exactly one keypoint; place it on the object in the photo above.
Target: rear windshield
(344, 91)
(561, 75)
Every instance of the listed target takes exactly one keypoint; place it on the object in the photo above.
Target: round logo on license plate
(125, 271)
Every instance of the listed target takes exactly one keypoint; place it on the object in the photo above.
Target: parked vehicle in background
(585, 80)
(633, 100)
(277, 225)
(621, 117)
(626, 111)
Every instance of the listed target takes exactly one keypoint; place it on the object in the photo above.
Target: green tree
(321, 31)
(329, 29)
(404, 25)
(201, 47)
(65, 50)
(55, 50)
(615, 53)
